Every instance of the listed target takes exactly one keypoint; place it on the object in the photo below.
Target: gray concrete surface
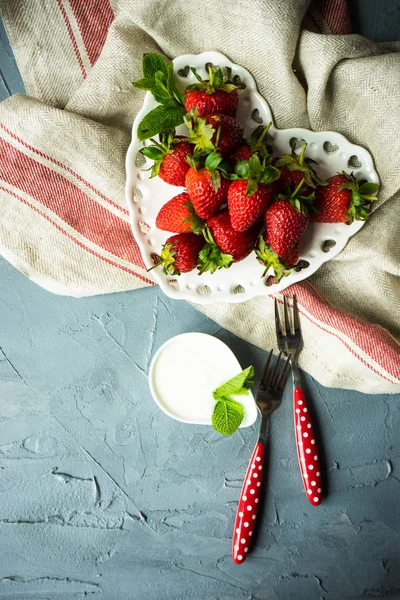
(103, 496)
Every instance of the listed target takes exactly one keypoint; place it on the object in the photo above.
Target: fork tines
(274, 377)
(286, 329)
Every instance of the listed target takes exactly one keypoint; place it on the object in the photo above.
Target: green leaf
(242, 169)
(269, 174)
(152, 63)
(143, 84)
(251, 188)
(254, 165)
(227, 416)
(369, 189)
(238, 385)
(212, 161)
(152, 152)
(160, 119)
(215, 179)
(218, 78)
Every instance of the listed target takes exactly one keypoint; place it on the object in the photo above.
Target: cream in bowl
(186, 370)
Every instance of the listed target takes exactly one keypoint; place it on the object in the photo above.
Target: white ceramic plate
(243, 280)
(186, 370)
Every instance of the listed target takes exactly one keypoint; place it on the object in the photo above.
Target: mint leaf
(152, 63)
(158, 78)
(227, 416)
(160, 119)
(237, 386)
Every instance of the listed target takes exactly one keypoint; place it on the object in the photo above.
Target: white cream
(185, 371)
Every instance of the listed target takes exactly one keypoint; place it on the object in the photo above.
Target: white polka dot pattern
(248, 505)
(306, 448)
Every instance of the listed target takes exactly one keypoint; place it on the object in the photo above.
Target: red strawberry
(218, 95)
(292, 257)
(219, 101)
(246, 210)
(207, 189)
(291, 179)
(170, 158)
(225, 245)
(257, 144)
(285, 226)
(178, 216)
(242, 152)
(343, 199)
(180, 253)
(294, 168)
(228, 132)
(250, 194)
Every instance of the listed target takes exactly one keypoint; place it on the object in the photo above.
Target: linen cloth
(64, 221)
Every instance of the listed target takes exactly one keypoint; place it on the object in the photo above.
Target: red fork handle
(248, 506)
(307, 448)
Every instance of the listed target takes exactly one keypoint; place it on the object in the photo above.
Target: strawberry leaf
(269, 174)
(251, 188)
(160, 119)
(242, 169)
(369, 189)
(152, 152)
(215, 179)
(212, 161)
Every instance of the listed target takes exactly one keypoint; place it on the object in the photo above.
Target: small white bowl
(186, 370)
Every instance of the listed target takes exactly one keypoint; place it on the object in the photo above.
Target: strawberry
(242, 152)
(294, 168)
(344, 199)
(225, 245)
(256, 145)
(180, 253)
(285, 225)
(178, 216)
(250, 194)
(170, 158)
(228, 132)
(217, 95)
(286, 220)
(214, 132)
(206, 188)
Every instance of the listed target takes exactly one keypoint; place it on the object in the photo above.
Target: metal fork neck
(264, 428)
(295, 373)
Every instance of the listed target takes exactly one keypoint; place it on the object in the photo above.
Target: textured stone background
(103, 496)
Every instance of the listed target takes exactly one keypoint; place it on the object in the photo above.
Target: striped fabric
(64, 221)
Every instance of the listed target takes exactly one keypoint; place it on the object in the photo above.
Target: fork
(268, 399)
(290, 343)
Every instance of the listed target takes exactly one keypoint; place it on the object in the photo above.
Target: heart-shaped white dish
(244, 280)
(186, 370)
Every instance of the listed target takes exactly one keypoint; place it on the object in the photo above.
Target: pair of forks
(268, 399)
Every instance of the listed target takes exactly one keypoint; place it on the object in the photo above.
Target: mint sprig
(158, 78)
(228, 414)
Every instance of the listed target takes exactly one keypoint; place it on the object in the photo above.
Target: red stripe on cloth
(110, 262)
(70, 203)
(93, 19)
(336, 14)
(72, 36)
(374, 341)
(60, 164)
(341, 340)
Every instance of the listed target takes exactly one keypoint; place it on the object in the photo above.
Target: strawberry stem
(298, 188)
